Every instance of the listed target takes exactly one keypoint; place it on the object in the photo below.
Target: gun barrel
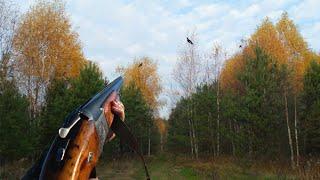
(75, 152)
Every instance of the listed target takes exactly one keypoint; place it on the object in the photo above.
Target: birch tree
(218, 56)
(212, 69)
(299, 58)
(8, 23)
(143, 72)
(187, 74)
(45, 47)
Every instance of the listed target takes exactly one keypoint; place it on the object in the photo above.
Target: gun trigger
(62, 150)
(60, 154)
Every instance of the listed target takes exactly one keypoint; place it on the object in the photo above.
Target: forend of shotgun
(76, 149)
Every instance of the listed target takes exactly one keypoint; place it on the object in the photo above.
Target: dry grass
(14, 170)
(167, 166)
(228, 167)
(123, 169)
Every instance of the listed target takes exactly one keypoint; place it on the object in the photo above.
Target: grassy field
(159, 168)
(170, 167)
(164, 167)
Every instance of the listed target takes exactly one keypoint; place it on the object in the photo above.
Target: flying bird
(189, 41)
(140, 65)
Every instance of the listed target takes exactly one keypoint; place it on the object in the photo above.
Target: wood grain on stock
(76, 159)
(77, 166)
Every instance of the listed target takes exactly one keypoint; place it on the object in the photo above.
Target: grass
(14, 170)
(168, 166)
(188, 172)
(165, 167)
(160, 168)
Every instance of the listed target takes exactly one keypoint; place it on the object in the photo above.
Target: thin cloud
(116, 32)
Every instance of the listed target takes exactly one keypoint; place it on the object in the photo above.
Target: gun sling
(123, 131)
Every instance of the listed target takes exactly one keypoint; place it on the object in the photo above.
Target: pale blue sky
(115, 32)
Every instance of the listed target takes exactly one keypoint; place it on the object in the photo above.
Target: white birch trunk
(288, 127)
(218, 119)
(296, 130)
(195, 142)
(232, 142)
(191, 139)
(149, 143)
(161, 142)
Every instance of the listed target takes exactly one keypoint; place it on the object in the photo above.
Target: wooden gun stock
(80, 158)
(82, 154)
(76, 149)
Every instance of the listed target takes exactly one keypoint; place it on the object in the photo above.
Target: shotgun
(78, 145)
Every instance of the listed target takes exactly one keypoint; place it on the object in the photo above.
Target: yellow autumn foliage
(45, 45)
(143, 74)
(160, 124)
(283, 42)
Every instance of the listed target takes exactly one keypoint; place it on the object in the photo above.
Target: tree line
(261, 103)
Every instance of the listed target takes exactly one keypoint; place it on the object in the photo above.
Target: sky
(115, 32)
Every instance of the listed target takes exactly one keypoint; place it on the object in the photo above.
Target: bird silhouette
(140, 64)
(189, 41)
(240, 46)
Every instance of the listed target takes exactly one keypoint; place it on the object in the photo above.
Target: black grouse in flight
(189, 41)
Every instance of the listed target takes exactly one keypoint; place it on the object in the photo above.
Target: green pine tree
(311, 108)
(16, 128)
(66, 95)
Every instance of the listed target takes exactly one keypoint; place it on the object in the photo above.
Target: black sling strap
(123, 131)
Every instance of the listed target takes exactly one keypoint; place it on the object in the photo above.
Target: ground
(165, 167)
(169, 166)
(159, 168)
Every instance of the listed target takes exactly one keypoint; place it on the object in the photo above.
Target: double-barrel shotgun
(75, 150)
